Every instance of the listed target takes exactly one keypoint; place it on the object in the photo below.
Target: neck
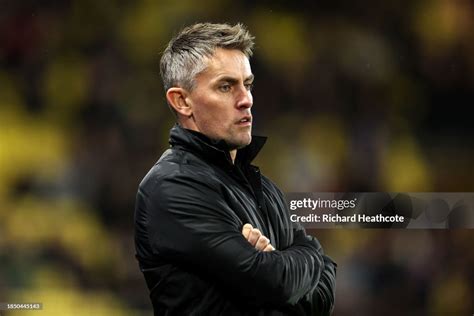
(233, 153)
(188, 123)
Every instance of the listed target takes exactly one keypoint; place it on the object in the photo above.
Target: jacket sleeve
(323, 297)
(192, 226)
(320, 301)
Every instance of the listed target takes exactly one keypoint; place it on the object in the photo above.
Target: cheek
(213, 112)
(210, 118)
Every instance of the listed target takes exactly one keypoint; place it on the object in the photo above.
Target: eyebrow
(250, 78)
(234, 80)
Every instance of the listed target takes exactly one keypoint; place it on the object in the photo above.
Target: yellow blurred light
(66, 300)
(282, 39)
(441, 23)
(34, 224)
(29, 147)
(403, 168)
(66, 86)
(451, 294)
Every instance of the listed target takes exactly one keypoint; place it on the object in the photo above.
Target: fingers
(255, 234)
(269, 247)
(262, 243)
(246, 230)
(256, 239)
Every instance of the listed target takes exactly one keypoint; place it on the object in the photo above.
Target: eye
(249, 86)
(224, 88)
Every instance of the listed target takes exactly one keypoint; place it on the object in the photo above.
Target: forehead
(230, 62)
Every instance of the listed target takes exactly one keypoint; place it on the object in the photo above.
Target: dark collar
(216, 151)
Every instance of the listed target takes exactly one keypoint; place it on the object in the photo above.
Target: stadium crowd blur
(360, 96)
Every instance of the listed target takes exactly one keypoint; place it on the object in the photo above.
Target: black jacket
(189, 214)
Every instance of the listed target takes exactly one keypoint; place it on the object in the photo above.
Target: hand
(256, 239)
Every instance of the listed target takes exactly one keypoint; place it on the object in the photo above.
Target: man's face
(222, 99)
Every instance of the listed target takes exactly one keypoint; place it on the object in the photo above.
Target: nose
(244, 99)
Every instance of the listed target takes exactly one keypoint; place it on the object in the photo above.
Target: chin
(245, 142)
(239, 143)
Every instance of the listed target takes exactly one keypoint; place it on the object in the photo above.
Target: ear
(177, 99)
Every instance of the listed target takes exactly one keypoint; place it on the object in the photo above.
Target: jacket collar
(216, 151)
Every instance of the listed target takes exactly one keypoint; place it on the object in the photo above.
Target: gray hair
(184, 57)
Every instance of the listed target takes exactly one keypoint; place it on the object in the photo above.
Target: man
(213, 235)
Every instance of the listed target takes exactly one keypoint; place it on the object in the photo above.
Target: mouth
(245, 121)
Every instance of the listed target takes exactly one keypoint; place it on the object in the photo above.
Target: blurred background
(354, 96)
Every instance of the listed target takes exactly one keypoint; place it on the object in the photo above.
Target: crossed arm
(322, 298)
(196, 228)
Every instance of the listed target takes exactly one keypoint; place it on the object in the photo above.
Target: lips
(246, 120)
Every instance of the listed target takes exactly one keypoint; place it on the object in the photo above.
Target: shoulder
(178, 167)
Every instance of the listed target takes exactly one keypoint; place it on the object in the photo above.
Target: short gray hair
(184, 57)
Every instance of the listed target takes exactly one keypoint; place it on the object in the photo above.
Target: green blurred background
(354, 96)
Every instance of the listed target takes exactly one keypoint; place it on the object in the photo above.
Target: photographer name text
(356, 218)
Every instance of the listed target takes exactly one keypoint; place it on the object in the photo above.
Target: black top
(189, 214)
